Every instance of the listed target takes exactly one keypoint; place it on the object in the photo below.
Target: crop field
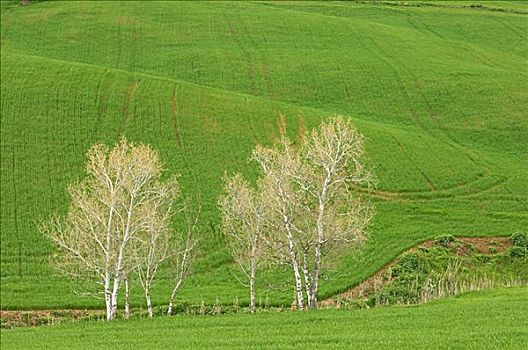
(478, 321)
(440, 90)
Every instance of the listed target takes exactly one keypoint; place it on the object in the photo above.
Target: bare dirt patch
(33, 318)
(484, 245)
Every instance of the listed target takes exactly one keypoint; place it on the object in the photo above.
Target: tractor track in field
(176, 127)
(383, 194)
(461, 190)
(246, 57)
(100, 97)
(428, 180)
(131, 89)
(174, 109)
(432, 132)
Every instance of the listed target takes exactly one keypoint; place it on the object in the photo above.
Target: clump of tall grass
(452, 282)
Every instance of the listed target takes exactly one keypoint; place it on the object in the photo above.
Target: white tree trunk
(307, 284)
(298, 282)
(113, 307)
(294, 263)
(115, 290)
(150, 312)
(252, 269)
(108, 293)
(108, 303)
(315, 285)
(319, 241)
(173, 296)
(127, 298)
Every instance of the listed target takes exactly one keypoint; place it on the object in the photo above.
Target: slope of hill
(440, 93)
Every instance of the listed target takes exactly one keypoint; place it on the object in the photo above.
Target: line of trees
(301, 211)
(118, 224)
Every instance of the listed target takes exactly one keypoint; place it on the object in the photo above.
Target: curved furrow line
(466, 189)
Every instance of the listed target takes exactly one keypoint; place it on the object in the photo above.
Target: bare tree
(333, 162)
(152, 246)
(109, 209)
(313, 198)
(244, 215)
(286, 205)
(182, 252)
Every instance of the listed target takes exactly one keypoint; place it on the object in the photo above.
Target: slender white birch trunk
(252, 269)
(150, 311)
(298, 282)
(295, 266)
(173, 296)
(120, 258)
(307, 284)
(319, 241)
(127, 298)
(108, 301)
(115, 290)
(108, 293)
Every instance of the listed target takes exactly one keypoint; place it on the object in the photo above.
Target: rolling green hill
(440, 92)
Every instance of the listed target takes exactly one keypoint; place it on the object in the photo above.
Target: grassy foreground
(491, 319)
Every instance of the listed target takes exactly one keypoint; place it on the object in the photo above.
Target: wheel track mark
(485, 183)
(414, 113)
(100, 98)
(484, 60)
(174, 108)
(247, 57)
(516, 197)
(119, 43)
(132, 86)
(424, 26)
(250, 72)
(265, 63)
(250, 124)
(509, 27)
(428, 180)
(48, 159)
(176, 128)
(15, 215)
(488, 183)
(448, 139)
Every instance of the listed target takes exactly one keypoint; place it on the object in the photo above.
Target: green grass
(484, 320)
(441, 94)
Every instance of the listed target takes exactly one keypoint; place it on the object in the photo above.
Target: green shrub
(518, 252)
(444, 240)
(520, 239)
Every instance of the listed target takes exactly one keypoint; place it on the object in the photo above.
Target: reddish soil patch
(484, 245)
(32, 318)
(489, 245)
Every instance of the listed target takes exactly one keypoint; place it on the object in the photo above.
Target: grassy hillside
(440, 93)
(478, 321)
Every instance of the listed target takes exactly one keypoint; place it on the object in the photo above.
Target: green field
(485, 320)
(440, 92)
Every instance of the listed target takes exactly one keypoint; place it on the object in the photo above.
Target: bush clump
(520, 239)
(444, 240)
(519, 247)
